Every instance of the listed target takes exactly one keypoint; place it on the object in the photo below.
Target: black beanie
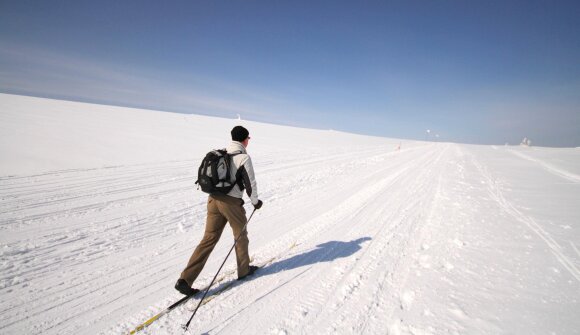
(239, 133)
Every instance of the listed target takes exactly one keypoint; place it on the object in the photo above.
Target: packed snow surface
(99, 214)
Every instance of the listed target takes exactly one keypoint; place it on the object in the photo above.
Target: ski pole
(218, 271)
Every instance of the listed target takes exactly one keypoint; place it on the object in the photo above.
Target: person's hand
(258, 205)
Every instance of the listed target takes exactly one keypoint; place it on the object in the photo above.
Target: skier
(223, 208)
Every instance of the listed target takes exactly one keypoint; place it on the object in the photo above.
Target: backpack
(214, 174)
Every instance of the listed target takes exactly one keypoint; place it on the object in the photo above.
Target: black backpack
(214, 174)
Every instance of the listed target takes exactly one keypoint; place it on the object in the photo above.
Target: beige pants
(220, 210)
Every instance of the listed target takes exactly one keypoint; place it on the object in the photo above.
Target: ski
(208, 298)
(177, 303)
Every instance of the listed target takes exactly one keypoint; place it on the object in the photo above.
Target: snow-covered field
(99, 213)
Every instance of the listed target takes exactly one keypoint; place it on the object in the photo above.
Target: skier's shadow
(325, 252)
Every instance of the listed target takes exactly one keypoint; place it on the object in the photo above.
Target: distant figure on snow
(223, 208)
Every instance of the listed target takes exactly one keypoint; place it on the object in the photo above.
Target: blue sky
(486, 72)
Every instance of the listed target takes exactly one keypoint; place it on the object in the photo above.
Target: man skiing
(223, 208)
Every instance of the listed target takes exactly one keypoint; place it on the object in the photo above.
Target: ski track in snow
(342, 259)
(549, 167)
(99, 199)
(497, 194)
(332, 286)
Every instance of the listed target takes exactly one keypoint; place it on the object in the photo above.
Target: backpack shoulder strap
(230, 163)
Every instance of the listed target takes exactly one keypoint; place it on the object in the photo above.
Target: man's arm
(249, 180)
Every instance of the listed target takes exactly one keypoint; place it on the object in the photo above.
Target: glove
(258, 205)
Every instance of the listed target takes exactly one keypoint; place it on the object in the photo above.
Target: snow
(99, 213)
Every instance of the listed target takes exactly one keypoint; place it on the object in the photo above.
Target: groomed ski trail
(367, 240)
(369, 235)
(337, 254)
(132, 228)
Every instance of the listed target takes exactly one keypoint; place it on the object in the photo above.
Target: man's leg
(213, 230)
(236, 216)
